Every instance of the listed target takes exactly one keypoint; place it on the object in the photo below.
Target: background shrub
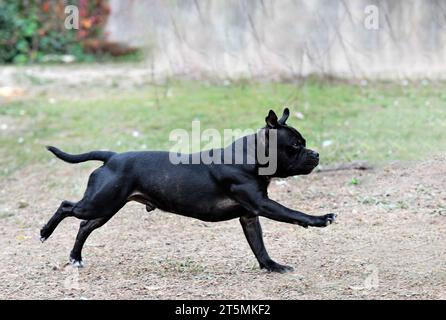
(34, 31)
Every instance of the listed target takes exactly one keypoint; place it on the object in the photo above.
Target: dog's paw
(323, 221)
(43, 234)
(76, 263)
(276, 267)
(330, 218)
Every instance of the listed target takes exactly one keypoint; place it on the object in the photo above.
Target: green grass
(344, 122)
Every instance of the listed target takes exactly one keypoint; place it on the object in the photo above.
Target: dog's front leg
(256, 202)
(253, 232)
(275, 211)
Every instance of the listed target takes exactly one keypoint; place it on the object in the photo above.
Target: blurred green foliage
(21, 36)
(34, 31)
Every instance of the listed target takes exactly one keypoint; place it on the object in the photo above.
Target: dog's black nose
(315, 154)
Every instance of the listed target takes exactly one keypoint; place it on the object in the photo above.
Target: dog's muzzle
(312, 158)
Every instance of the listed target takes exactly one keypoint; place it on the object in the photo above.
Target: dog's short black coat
(209, 192)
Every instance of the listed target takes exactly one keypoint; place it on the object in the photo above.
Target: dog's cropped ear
(271, 120)
(285, 115)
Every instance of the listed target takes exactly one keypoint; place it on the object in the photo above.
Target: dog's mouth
(305, 168)
(311, 162)
(310, 167)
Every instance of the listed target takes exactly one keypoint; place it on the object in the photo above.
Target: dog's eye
(296, 146)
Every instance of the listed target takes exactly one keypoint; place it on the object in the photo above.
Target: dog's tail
(76, 158)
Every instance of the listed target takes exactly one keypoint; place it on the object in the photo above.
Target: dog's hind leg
(102, 200)
(85, 229)
(253, 232)
(106, 194)
(65, 210)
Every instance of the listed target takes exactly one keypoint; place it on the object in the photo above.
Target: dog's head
(293, 158)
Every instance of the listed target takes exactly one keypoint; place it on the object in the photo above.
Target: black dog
(209, 192)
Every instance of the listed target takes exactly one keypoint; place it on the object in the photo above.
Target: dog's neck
(250, 148)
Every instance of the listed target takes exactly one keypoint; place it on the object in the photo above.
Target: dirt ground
(389, 241)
